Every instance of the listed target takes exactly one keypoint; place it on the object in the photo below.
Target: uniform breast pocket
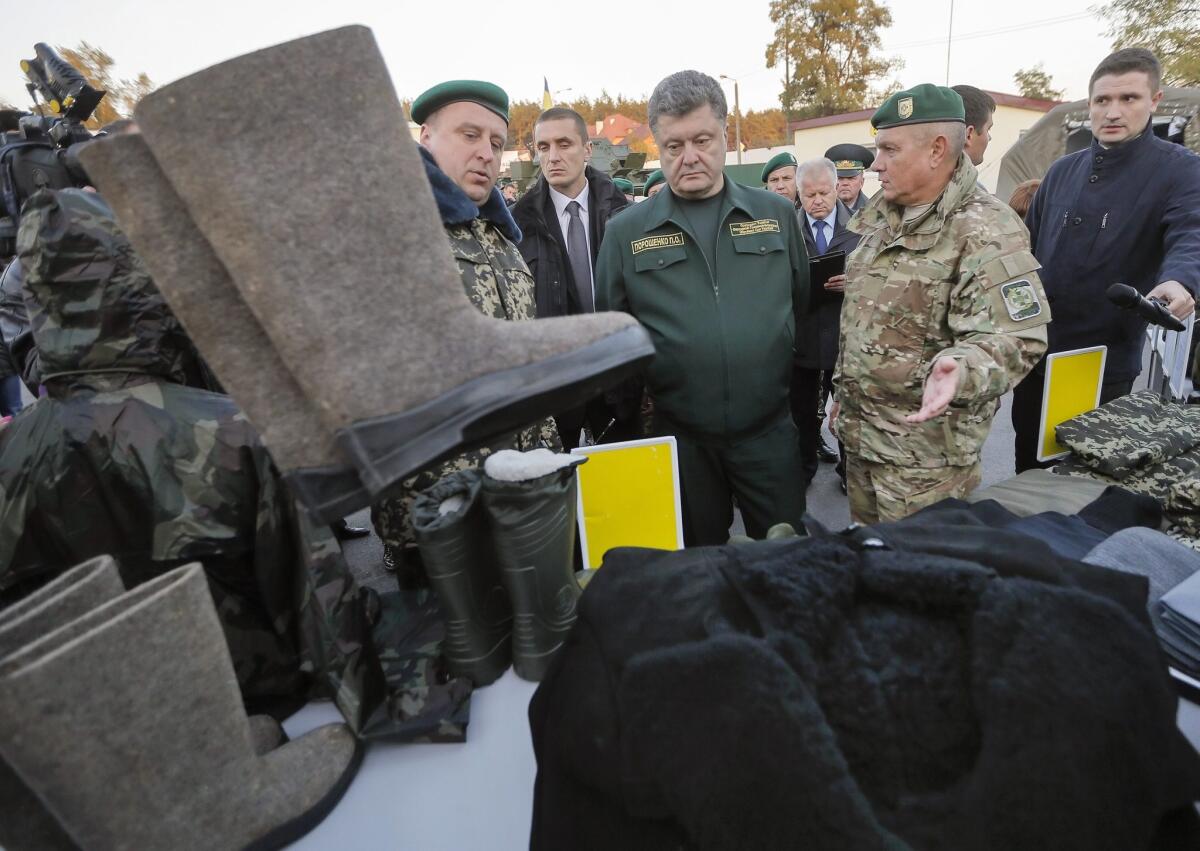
(762, 244)
(651, 260)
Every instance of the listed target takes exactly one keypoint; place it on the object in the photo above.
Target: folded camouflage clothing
(1144, 445)
(1131, 433)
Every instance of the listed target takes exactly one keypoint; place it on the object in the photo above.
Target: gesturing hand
(940, 387)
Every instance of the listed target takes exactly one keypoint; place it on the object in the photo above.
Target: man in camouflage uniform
(943, 313)
(464, 127)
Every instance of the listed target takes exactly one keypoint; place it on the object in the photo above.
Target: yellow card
(629, 497)
(1072, 387)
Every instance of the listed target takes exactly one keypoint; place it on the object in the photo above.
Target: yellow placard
(1072, 387)
(629, 497)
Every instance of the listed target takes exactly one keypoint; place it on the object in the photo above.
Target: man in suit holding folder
(823, 223)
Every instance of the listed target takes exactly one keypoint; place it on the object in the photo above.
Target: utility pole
(949, 37)
(737, 120)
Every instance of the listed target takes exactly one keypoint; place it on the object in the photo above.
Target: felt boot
(531, 508)
(330, 232)
(233, 343)
(127, 722)
(456, 547)
(25, 824)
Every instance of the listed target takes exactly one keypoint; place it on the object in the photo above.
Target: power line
(1062, 19)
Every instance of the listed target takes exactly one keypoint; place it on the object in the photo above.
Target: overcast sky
(582, 48)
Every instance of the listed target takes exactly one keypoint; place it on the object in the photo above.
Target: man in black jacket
(823, 223)
(1124, 210)
(562, 218)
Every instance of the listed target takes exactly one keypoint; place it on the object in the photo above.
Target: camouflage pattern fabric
(68, 240)
(1131, 433)
(377, 656)
(498, 283)
(959, 282)
(1145, 446)
(884, 492)
(120, 459)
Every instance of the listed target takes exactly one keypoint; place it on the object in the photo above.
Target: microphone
(1154, 312)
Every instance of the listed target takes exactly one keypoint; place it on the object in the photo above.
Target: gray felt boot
(456, 547)
(232, 341)
(330, 232)
(127, 722)
(25, 825)
(532, 514)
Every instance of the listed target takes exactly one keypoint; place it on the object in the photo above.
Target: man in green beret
(851, 162)
(944, 312)
(716, 273)
(779, 176)
(655, 183)
(626, 187)
(464, 126)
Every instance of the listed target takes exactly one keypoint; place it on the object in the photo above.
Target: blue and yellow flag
(547, 101)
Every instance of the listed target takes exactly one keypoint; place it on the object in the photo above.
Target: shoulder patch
(648, 243)
(1020, 299)
(756, 226)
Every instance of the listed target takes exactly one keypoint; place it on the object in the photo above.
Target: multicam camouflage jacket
(496, 279)
(120, 458)
(1144, 445)
(959, 282)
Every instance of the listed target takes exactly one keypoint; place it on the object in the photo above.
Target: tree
(97, 67)
(1170, 28)
(1036, 83)
(830, 52)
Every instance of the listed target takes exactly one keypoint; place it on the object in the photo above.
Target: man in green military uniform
(716, 273)
(779, 176)
(944, 312)
(851, 162)
(464, 125)
(655, 183)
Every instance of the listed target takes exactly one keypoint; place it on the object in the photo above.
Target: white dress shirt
(830, 225)
(564, 221)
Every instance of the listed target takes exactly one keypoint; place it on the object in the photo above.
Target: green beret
(624, 185)
(487, 95)
(777, 161)
(849, 160)
(923, 104)
(656, 176)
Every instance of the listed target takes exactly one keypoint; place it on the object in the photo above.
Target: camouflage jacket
(958, 281)
(497, 281)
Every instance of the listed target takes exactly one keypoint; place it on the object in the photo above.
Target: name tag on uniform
(667, 240)
(1021, 300)
(751, 228)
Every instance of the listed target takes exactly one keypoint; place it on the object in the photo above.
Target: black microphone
(1154, 312)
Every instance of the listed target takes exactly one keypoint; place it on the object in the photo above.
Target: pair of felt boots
(122, 726)
(288, 220)
(498, 547)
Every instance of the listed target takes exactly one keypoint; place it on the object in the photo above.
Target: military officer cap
(849, 160)
(777, 161)
(923, 104)
(624, 185)
(656, 176)
(487, 95)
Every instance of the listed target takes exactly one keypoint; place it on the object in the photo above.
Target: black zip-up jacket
(544, 245)
(1128, 214)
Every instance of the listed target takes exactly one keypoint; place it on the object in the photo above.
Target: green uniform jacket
(958, 282)
(723, 334)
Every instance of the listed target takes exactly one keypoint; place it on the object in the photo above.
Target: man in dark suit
(823, 224)
(562, 219)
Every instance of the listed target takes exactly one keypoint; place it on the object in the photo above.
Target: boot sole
(290, 831)
(386, 449)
